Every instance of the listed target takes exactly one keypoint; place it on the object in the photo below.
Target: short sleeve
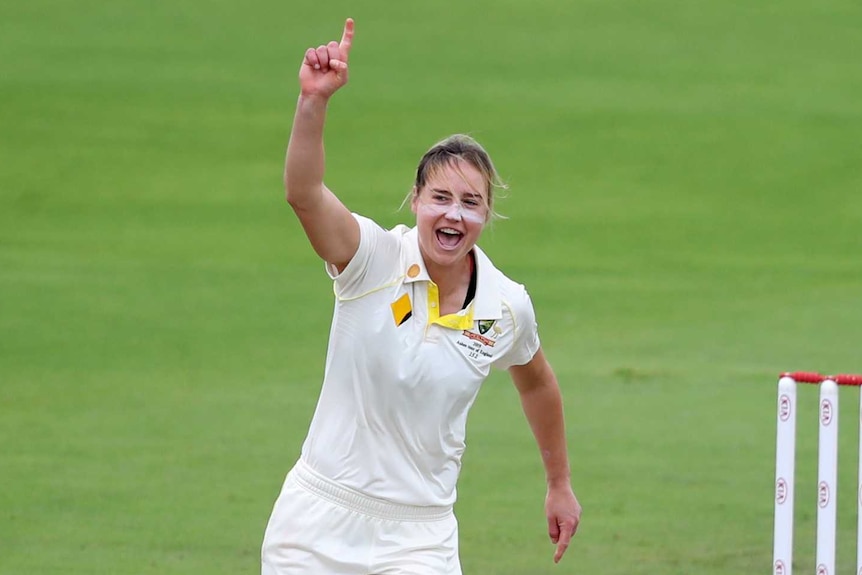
(375, 262)
(526, 339)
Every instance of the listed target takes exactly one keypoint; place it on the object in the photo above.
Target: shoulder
(516, 301)
(502, 297)
(373, 234)
(378, 259)
(370, 226)
(513, 294)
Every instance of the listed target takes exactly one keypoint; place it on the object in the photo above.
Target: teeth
(450, 231)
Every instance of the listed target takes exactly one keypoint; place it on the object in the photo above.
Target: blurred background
(685, 208)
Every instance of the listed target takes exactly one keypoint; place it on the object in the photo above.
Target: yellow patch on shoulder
(402, 309)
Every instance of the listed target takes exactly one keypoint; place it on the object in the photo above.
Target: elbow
(300, 197)
(293, 202)
(291, 193)
(292, 187)
(288, 196)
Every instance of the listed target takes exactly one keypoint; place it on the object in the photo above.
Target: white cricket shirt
(400, 379)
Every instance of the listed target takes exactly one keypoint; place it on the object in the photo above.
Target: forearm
(543, 406)
(331, 228)
(304, 163)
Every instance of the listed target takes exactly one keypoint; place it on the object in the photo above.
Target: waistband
(311, 481)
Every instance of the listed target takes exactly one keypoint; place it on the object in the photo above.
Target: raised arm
(543, 406)
(331, 229)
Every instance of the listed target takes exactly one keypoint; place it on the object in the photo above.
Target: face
(451, 211)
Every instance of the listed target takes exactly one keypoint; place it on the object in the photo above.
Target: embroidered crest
(485, 325)
(480, 338)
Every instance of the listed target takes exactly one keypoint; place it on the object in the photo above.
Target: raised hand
(324, 70)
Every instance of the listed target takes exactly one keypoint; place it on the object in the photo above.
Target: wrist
(314, 100)
(559, 481)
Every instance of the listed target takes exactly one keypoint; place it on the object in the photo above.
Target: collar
(487, 303)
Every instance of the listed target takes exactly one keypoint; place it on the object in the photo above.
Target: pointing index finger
(347, 38)
(566, 533)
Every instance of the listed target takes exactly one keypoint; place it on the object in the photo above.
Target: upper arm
(535, 373)
(330, 227)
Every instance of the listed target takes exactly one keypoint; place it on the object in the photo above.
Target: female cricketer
(421, 316)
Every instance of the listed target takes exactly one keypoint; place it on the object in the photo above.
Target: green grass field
(685, 208)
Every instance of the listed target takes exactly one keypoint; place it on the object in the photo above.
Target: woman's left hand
(564, 514)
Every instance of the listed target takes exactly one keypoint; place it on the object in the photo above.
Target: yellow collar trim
(460, 320)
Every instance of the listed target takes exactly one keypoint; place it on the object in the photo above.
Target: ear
(414, 199)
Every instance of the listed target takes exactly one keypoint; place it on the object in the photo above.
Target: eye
(472, 203)
(439, 198)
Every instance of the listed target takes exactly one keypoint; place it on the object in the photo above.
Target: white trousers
(318, 527)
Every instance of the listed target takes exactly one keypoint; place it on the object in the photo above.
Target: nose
(454, 212)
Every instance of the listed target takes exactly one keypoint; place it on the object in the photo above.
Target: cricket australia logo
(485, 325)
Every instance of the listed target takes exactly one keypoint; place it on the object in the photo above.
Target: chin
(445, 257)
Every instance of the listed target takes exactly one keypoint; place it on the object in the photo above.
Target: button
(413, 271)
(433, 304)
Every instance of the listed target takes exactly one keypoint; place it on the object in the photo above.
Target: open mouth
(449, 238)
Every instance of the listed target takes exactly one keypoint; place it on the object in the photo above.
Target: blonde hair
(449, 152)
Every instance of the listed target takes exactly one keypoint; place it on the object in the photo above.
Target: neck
(452, 277)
